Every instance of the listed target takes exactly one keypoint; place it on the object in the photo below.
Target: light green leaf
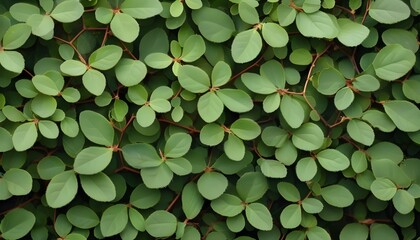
(98, 187)
(130, 72)
(227, 205)
(389, 11)
(160, 105)
(234, 148)
(212, 185)
(351, 33)
(288, 191)
(125, 27)
(411, 87)
(318, 25)
(48, 129)
(354, 231)
(72, 67)
(404, 114)
(71, 95)
(192, 201)
(18, 181)
(6, 143)
(245, 129)
(366, 83)
(274, 35)
(308, 137)
(157, 177)
(145, 116)
(67, 11)
(12, 61)
(136, 219)
(194, 48)
(214, 24)
(43, 105)
(291, 216)
(16, 36)
(42, 25)
(92, 160)
(24, 136)
(312, 205)
(211, 134)
(69, 127)
(17, 223)
(274, 71)
(286, 14)
(176, 9)
(179, 166)
(259, 216)
(379, 119)
(273, 169)
(258, 84)
(292, 111)
(177, 145)
(246, 46)
(343, 98)
(333, 160)
(82, 217)
(301, 56)
(318, 233)
(248, 13)
(330, 81)
(22, 11)
(220, 74)
(49, 167)
(143, 198)
(96, 128)
(393, 62)
(337, 196)
(360, 132)
(210, 107)
(400, 36)
(161, 224)
(251, 186)
(62, 189)
(94, 81)
(141, 155)
(271, 103)
(193, 79)
(359, 161)
(403, 201)
(306, 169)
(141, 9)
(105, 57)
(158, 60)
(50, 83)
(113, 220)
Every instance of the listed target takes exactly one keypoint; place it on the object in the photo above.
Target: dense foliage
(209, 119)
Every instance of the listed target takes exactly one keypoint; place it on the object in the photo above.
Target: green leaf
(145, 116)
(49, 84)
(113, 220)
(248, 13)
(306, 169)
(69, 127)
(274, 35)
(49, 167)
(274, 136)
(359, 161)
(212, 185)
(389, 11)
(158, 60)
(71, 95)
(273, 169)
(393, 62)
(193, 79)
(43, 105)
(16, 36)
(259, 216)
(214, 24)
(258, 84)
(403, 201)
(301, 56)
(192, 201)
(105, 57)
(308, 137)
(94, 81)
(160, 105)
(333, 160)
(291, 216)
(18, 181)
(96, 128)
(274, 71)
(48, 129)
(379, 119)
(411, 87)
(6, 143)
(130, 72)
(251, 186)
(318, 233)
(177, 145)
(212, 134)
(82, 217)
(136, 219)
(67, 11)
(141, 155)
(234, 148)
(312, 205)
(286, 14)
(143, 198)
(380, 231)
(343, 98)
(245, 129)
(292, 111)
(22, 11)
(210, 107)
(17, 223)
(220, 74)
(141, 9)
(92, 160)
(288, 191)
(157, 177)
(366, 83)
(179, 166)
(161, 224)
(246, 46)
(403, 37)
(176, 8)
(337, 196)
(386, 150)
(13, 114)
(236, 223)
(330, 81)
(383, 189)
(62, 189)
(24, 136)
(194, 48)
(235, 100)
(318, 25)
(360, 132)
(42, 25)
(125, 27)
(404, 114)
(227, 205)
(271, 103)
(354, 231)
(351, 33)
(12, 61)
(98, 187)
(72, 67)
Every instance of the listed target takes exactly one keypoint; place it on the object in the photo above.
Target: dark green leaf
(17, 223)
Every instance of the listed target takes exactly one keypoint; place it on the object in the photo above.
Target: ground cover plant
(209, 119)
